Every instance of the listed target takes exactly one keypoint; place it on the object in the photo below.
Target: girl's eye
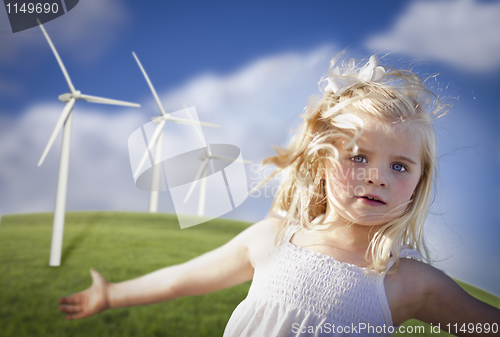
(399, 167)
(359, 159)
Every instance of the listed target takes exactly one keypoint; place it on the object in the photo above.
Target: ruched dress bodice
(300, 292)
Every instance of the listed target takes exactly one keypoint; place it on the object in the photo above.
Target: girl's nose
(376, 177)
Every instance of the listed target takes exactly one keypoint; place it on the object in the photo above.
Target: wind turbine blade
(215, 156)
(198, 175)
(95, 99)
(198, 131)
(150, 85)
(71, 87)
(193, 185)
(211, 125)
(154, 138)
(192, 122)
(60, 122)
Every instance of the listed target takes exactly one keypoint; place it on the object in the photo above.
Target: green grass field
(120, 246)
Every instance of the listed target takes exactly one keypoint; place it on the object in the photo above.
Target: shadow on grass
(80, 238)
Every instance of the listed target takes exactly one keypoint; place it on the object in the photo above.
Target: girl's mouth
(372, 199)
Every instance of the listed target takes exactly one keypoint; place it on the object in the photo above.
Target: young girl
(344, 257)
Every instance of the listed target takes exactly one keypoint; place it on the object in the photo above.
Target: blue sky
(250, 67)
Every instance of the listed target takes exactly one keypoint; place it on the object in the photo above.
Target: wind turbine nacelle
(157, 119)
(204, 156)
(66, 97)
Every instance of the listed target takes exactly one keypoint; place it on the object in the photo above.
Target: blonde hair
(399, 97)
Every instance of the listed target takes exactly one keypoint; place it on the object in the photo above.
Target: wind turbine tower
(64, 122)
(157, 140)
(202, 173)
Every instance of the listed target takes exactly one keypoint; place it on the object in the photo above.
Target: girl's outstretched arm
(221, 268)
(438, 300)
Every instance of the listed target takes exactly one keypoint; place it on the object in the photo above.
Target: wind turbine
(62, 182)
(205, 161)
(157, 139)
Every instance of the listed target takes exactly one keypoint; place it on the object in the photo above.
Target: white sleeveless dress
(300, 292)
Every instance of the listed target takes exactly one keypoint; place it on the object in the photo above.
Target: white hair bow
(372, 71)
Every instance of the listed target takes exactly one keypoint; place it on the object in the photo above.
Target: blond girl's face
(375, 184)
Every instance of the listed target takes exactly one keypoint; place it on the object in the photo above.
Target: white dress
(300, 292)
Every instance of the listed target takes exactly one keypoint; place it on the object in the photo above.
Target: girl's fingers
(69, 309)
(86, 303)
(70, 300)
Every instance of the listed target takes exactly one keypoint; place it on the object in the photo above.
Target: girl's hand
(88, 302)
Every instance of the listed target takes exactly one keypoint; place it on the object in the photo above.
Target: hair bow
(372, 71)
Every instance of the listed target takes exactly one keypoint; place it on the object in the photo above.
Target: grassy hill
(120, 246)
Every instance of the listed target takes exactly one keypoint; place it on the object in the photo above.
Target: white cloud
(464, 33)
(251, 105)
(99, 176)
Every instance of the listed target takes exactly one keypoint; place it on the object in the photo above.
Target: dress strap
(406, 252)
